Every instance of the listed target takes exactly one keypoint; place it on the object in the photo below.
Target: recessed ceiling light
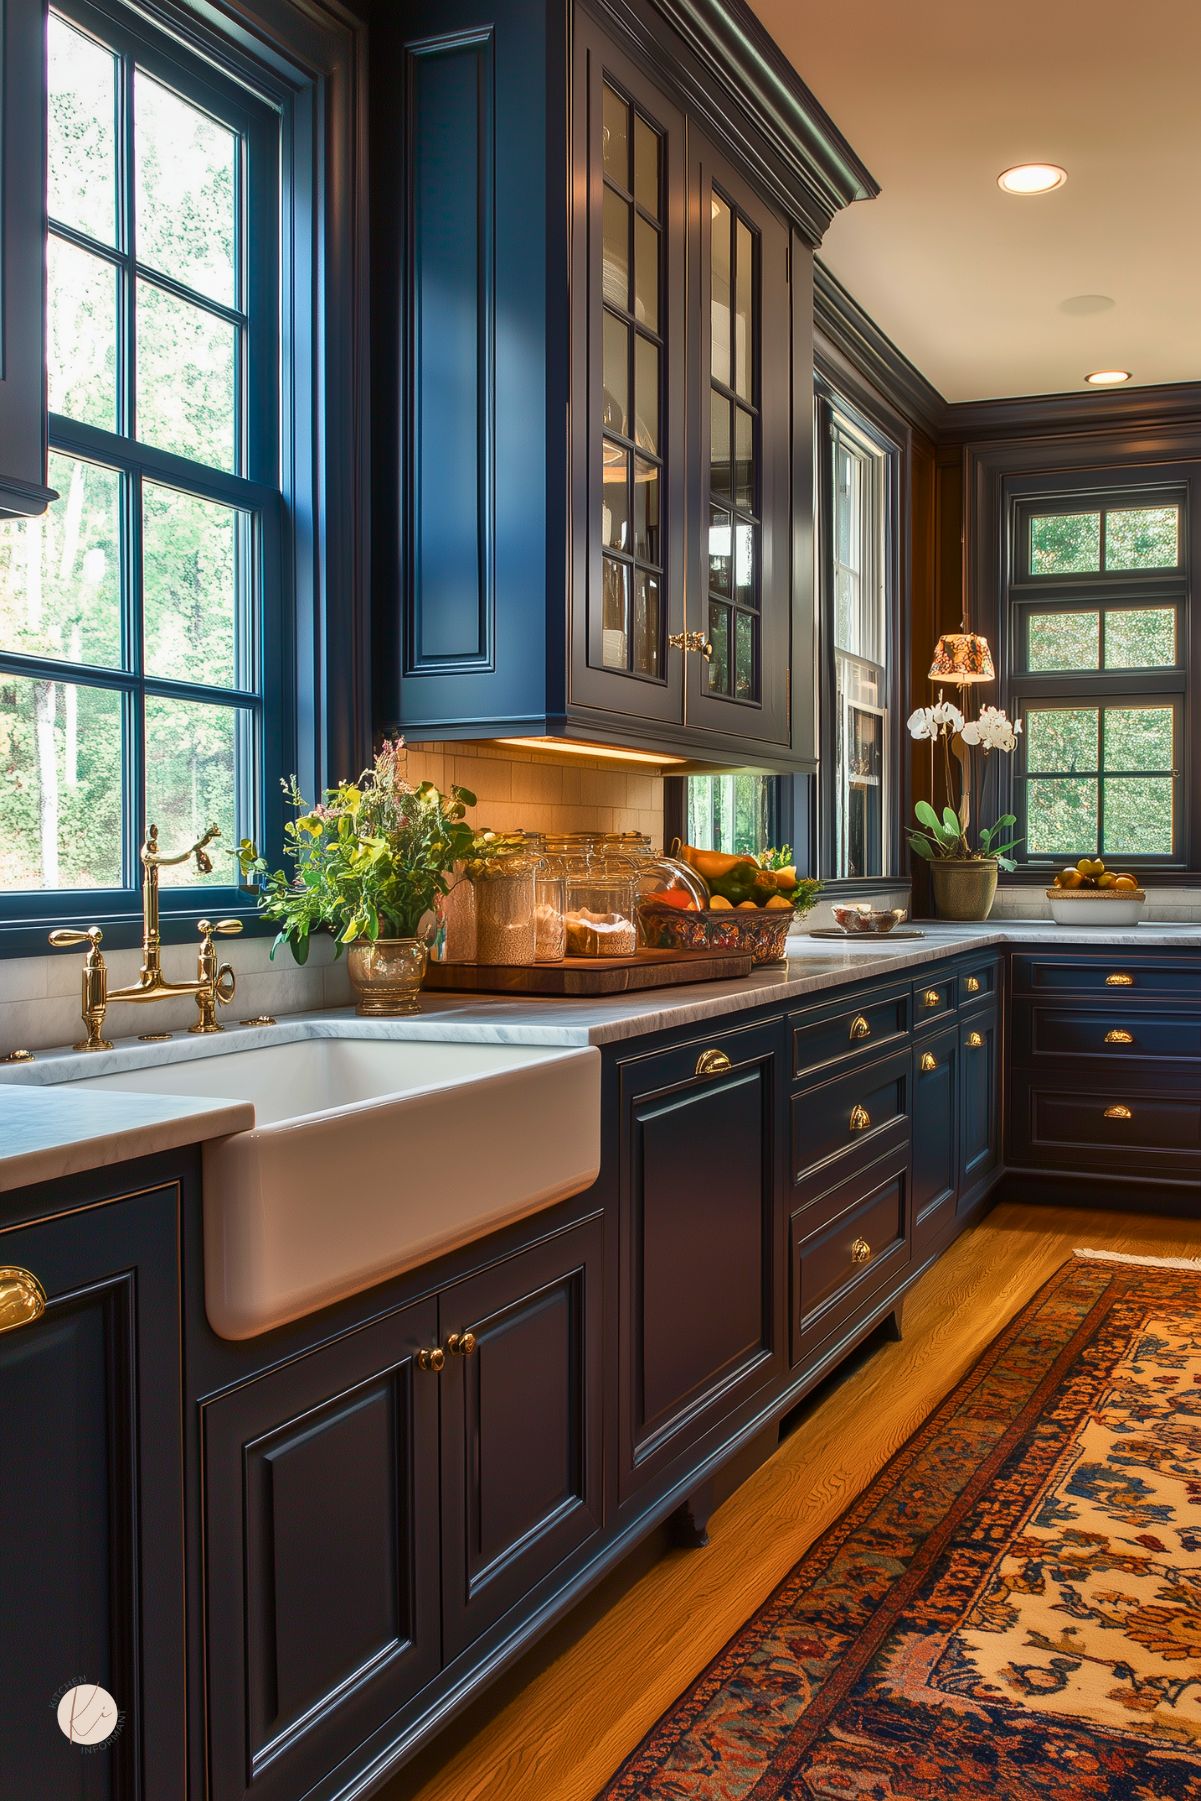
(1032, 178)
(1108, 378)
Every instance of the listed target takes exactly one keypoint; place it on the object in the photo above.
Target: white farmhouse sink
(368, 1157)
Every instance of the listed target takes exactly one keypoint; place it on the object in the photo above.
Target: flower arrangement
(947, 834)
(371, 858)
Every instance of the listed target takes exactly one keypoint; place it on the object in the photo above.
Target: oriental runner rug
(1011, 1609)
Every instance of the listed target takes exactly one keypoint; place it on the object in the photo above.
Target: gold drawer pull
(1119, 981)
(861, 1251)
(22, 1299)
(712, 1063)
(1117, 1036)
(860, 1027)
(929, 1061)
(973, 984)
(434, 1360)
(974, 1041)
(931, 998)
(462, 1344)
(1118, 1112)
(861, 1119)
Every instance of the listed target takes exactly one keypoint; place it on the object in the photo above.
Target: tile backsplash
(545, 793)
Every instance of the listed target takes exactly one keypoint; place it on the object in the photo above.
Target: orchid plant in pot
(964, 877)
(370, 861)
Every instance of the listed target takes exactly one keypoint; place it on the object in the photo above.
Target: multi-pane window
(857, 625)
(736, 813)
(1097, 671)
(137, 617)
(734, 456)
(632, 424)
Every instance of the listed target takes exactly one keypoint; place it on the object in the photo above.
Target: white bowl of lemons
(1088, 894)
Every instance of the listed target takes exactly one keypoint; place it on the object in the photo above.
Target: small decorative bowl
(1096, 906)
(864, 919)
(763, 932)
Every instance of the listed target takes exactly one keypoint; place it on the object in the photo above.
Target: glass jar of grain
(504, 879)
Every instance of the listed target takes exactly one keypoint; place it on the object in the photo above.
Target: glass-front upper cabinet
(739, 601)
(628, 478)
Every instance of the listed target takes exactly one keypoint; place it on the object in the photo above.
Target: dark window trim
(308, 58)
(1151, 460)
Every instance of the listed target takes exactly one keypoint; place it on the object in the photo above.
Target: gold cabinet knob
(712, 1063)
(1118, 1036)
(973, 984)
(974, 1041)
(1119, 980)
(462, 1344)
(860, 1028)
(861, 1119)
(861, 1251)
(691, 641)
(22, 1298)
(931, 998)
(929, 1061)
(1118, 1112)
(434, 1359)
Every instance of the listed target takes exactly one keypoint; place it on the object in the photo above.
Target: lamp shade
(962, 657)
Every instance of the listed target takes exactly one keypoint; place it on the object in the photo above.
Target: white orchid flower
(993, 730)
(921, 723)
(931, 722)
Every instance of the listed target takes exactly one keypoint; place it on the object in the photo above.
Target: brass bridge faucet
(214, 982)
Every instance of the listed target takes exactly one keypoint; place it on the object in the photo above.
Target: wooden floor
(559, 1724)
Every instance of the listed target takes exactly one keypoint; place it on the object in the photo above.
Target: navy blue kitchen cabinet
(980, 1096)
(91, 1490)
(590, 228)
(23, 487)
(936, 1136)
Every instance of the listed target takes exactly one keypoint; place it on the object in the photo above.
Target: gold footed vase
(386, 976)
(963, 886)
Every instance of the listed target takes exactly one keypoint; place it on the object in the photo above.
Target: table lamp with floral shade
(964, 878)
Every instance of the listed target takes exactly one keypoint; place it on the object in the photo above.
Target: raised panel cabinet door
(321, 1555)
(521, 1426)
(91, 1508)
(740, 512)
(980, 1110)
(23, 419)
(935, 1134)
(701, 1327)
(628, 482)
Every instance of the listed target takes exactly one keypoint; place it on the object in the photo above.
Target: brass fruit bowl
(763, 931)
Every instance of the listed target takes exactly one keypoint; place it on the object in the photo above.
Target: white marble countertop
(49, 1133)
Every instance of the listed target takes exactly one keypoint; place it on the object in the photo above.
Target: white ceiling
(937, 97)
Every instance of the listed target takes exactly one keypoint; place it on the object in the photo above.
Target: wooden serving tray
(591, 975)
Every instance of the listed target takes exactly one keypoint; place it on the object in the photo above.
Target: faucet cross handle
(216, 983)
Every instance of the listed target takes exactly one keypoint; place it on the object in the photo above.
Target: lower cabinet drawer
(825, 1038)
(864, 1111)
(1109, 1035)
(838, 1265)
(933, 1000)
(979, 983)
(1112, 977)
(1108, 1128)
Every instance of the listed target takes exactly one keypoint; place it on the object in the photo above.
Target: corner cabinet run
(622, 390)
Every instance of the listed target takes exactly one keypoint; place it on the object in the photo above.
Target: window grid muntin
(134, 462)
(728, 604)
(634, 328)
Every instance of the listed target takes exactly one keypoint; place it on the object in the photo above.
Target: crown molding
(839, 318)
(1052, 415)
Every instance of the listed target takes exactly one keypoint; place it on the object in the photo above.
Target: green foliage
(804, 895)
(371, 858)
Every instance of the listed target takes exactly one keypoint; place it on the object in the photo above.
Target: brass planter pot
(963, 886)
(386, 976)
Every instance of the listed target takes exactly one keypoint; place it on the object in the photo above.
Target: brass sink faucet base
(215, 982)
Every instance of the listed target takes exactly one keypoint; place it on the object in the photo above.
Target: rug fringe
(1193, 1263)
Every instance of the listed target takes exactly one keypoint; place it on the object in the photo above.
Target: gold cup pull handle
(860, 1119)
(860, 1027)
(861, 1251)
(931, 998)
(712, 1063)
(1119, 980)
(974, 1041)
(462, 1344)
(973, 984)
(929, 1062)
(1118, 1112)
(1118, 1036)
(434, 1359)
(22, 1298)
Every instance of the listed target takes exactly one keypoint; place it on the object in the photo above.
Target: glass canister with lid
(661, 880)
(550, 902)
(601, 891)
(504, 875)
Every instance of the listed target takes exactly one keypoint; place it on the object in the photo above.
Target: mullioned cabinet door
(91, 1507)
(321, 1561)
(521, 1426)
